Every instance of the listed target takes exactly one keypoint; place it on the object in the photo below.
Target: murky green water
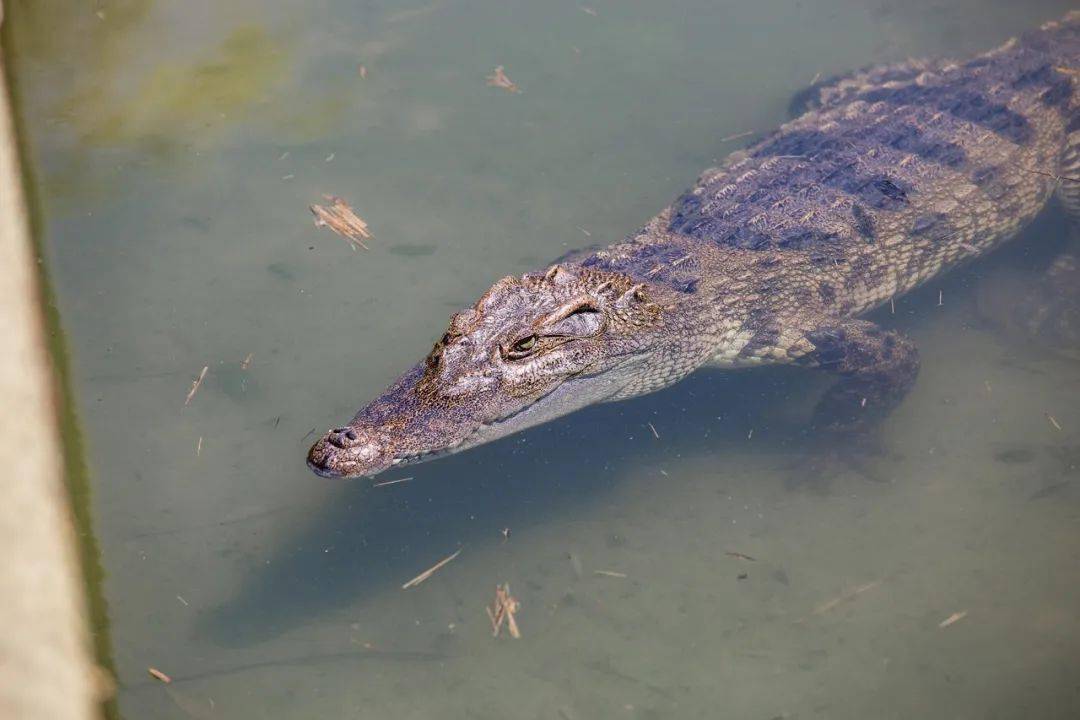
(177, 146)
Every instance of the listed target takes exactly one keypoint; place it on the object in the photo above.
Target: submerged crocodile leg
(877, 367)
(1049, 313)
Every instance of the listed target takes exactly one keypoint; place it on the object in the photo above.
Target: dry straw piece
(340, 218)
(429, 572)
(499, 79)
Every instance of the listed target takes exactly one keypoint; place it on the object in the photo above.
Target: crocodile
(892, 176)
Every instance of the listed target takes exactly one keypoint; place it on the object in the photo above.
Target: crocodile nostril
(342, 437)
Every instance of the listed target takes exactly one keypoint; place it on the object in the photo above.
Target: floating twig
(198, 447)
(955, 617)
(499, 79)
(158, 675)
(340, 218)
(609, 573)
(429, 572)
(845, 596)
(655, 434)
(502, 610)
(741, 556)
(1053, 421)
(195, 385)
(391, 482)
(246, 362)
(736, 136)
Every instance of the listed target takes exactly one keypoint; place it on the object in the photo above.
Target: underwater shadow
(370, 538)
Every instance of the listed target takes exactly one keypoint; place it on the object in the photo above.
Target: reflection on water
(178, 146)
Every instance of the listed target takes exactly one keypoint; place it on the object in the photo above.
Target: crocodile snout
(345, 452)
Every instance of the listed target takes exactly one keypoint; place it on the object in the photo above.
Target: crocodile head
(531, 349)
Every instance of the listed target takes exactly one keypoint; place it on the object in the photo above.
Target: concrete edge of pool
(44, 639)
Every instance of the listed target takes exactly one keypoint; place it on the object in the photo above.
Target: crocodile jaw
(364, 448)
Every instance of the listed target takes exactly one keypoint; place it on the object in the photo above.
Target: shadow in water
(370, 538)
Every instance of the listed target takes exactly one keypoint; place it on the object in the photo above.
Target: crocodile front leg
(877, 367)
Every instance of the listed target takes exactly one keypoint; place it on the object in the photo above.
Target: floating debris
(845, 596)
(741, 556)
(158, 675)
(340, 218)
(429, 572)
(736, 136)
(330, 157)
(955, 617)
(655, 434)
(1053, 421)
(246, 362)
(575, 565)
(505, 533)
(195, 385)
(589, 11)
(502, 611)
(940, 298)
(362, 72)
(1048, 490)
(499, 79)
(198, 447)
(182, 600)
(392, 482)
(742, 576)
(610, 573)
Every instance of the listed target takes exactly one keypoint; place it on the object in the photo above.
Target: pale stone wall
(45, 666)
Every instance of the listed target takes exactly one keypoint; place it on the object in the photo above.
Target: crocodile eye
(522, 347)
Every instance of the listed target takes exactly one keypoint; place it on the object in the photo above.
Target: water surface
(177, 146)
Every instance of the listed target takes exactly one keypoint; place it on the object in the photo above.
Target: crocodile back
(901, 171)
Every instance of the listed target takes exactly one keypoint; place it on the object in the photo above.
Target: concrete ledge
(45, 668)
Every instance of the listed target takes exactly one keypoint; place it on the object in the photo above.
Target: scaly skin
(894, 176)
